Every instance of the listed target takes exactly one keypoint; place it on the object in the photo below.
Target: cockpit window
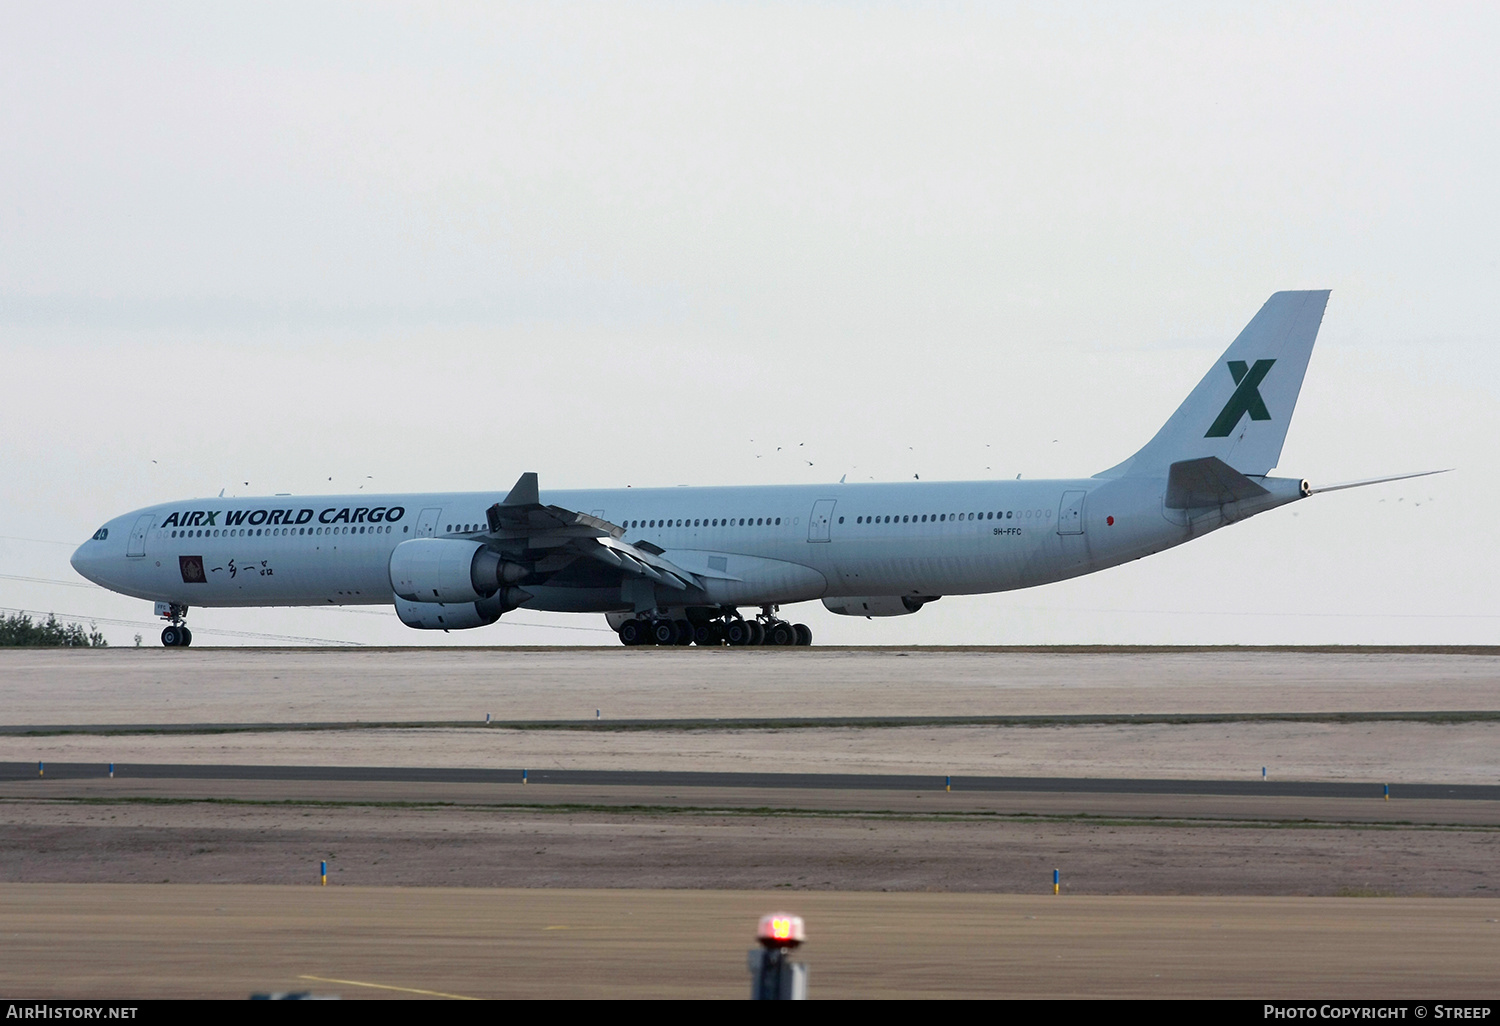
(101, 534)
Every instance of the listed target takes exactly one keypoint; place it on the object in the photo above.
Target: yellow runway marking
(386, 986)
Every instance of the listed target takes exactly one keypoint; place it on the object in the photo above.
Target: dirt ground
(793, 846)
(150, 685)
(81, 941)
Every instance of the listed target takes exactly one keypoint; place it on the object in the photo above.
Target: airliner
(675, 566)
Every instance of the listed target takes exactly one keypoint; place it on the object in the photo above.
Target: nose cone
(86, 561)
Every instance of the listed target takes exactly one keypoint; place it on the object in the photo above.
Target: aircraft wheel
(664, 632)
(737, 633)
(684, 632)
(170, 637)
(781, 633)
(704, 635)
(632, 632)
(804, 633)
(187, 637)
(757, 633)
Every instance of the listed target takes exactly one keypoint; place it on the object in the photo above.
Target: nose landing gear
(176, 633)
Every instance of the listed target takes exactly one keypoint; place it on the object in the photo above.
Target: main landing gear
(176, 633)
(711, 631)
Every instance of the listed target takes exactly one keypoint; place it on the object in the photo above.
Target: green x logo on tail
(1246, 398)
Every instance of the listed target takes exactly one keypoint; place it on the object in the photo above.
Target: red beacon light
(781, 930)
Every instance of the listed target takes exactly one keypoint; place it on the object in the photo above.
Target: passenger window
(841, 520)
(778, 521)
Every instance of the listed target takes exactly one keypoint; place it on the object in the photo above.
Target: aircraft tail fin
(1239, 412)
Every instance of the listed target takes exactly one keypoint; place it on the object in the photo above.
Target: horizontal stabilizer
(1208, 481)
(1374, 480)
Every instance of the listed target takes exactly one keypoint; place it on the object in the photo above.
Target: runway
(205, 686)
(14, 771)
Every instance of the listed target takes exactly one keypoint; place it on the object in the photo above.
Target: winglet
(525, 493)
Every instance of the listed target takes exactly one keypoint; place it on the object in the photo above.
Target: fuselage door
(137, 546)
(1070, 513)
(427, 522)
(820, 523)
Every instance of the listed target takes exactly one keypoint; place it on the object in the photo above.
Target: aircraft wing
(559, 537)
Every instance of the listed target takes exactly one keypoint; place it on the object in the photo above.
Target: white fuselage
(766, 545)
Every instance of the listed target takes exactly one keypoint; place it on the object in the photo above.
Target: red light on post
(781, 930)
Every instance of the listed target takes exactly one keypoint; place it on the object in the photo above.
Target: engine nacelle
(878, 605)
(454, 616)
(449, 570)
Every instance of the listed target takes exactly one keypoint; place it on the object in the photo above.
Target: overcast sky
(434, 246)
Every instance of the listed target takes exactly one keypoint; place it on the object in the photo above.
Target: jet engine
(449, 570)
(878, 605)
(453, 616)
